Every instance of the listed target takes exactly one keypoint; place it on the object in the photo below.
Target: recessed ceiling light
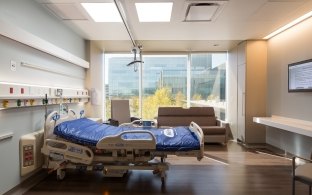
(154, 12)
(289, 25)
(102, 12)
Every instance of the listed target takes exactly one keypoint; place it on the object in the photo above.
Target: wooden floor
(230, 169)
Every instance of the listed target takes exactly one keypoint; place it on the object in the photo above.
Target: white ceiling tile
(272, 11)
(239, 20)
(66, 11)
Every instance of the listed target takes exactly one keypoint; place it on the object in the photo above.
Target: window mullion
(188, 80)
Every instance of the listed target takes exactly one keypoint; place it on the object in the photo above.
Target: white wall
(95, 82)
(232, 92)
(30, 16)
(291, 46)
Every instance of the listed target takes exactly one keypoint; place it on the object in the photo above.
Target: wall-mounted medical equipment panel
(20, 95)
(30, 154)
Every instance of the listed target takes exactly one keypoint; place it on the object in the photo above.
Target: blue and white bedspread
(87, 132)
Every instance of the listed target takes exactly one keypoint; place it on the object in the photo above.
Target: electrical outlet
(13, 65)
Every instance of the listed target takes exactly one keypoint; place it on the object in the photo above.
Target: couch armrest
(224, 124)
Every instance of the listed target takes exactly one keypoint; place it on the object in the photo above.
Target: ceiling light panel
(154, 12)
(102, 12)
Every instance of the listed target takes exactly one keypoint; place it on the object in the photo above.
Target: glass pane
(208, 71)
(164, 82)
(121, 82)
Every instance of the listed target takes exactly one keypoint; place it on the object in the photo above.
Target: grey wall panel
(12, 50)
(32, 17)
(19, 121)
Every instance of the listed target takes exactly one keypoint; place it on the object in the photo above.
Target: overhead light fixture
(287, 26)
(154, 12)
(102, 12)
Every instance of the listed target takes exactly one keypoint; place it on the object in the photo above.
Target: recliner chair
(120, 112)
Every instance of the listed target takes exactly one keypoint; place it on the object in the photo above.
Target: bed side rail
(62, 150)
(118, 142)
(200, 135)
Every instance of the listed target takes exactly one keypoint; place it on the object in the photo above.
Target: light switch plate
(13, 65)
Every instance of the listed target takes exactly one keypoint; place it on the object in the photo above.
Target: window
(165, 82)
(208, 81)
(121, 82)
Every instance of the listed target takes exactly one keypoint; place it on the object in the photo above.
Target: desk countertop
(289, 124)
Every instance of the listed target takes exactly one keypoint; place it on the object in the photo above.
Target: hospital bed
(71, 143)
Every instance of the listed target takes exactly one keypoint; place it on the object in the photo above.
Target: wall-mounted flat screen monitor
(300, 76)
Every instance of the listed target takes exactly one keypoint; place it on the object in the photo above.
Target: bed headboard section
(54, 119)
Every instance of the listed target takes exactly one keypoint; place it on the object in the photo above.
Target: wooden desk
(289, 124)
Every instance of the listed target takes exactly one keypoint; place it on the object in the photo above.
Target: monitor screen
(300, 76)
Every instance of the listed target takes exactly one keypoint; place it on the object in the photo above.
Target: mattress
(87, 132)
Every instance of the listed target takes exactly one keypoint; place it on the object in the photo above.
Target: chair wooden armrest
(301, 173)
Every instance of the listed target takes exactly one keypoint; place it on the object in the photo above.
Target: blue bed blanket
(87, 132)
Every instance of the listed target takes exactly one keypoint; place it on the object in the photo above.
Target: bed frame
(113, 155)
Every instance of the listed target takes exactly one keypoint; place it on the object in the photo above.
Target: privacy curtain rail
(136, 48)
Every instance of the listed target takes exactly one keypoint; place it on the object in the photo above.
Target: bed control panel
(28, 155)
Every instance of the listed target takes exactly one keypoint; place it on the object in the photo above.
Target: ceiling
(238, 20)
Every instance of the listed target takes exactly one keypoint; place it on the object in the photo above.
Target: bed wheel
(60, 174)
(162, 180)
(163, 176)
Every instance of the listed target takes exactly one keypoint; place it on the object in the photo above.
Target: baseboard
(266, 148)
(251, 145)
(28, 183)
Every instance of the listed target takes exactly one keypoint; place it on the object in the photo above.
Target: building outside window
(121, 82)
(164, 82)
(208, 78)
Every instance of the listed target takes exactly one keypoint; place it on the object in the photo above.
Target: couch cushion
(192, 111)
(186, 120)
(213, 130)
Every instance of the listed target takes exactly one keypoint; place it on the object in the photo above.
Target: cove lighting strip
(287, 26)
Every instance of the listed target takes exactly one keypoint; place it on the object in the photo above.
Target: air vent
(66, 11)
(202, 11)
